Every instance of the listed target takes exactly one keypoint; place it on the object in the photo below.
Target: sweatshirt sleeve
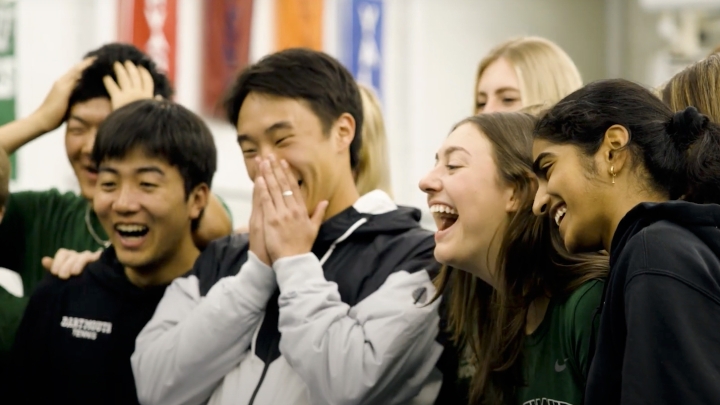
(673, 330)
(192, 342)
(28, 359)
(380, 351)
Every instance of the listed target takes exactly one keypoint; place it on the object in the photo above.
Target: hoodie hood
(701, 219)
(372, 214)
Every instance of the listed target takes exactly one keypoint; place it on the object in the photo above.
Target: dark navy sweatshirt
(659, 336)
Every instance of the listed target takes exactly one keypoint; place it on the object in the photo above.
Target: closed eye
(543, 172)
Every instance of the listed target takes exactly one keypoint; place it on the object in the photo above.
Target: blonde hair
(545, 72)
(697, 86)
(373, 170)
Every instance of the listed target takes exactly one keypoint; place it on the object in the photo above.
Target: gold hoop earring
(612, 173)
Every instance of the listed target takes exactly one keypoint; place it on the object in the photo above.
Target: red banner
(151, 26)
(226, 48)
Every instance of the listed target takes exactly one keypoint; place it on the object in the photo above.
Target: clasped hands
(280, 225)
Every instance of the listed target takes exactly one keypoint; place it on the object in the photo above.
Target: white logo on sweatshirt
(545, 401)
(85, 328)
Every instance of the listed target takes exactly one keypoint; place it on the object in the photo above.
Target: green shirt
(36, 224)
(556, 354)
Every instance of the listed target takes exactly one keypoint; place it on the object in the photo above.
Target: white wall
(431, 49)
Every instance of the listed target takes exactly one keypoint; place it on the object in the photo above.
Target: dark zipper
(262, 378)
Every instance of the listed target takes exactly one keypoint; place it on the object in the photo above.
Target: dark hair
(532, 262)
(680, 152)
(303, 74)
(162, 129)
(91, 83)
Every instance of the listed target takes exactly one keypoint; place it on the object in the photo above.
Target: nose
(89, 141)
(541, 205)
(430, 183)
(126, 201)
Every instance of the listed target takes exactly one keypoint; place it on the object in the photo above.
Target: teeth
(559, 214)
(130, 228)
(443, 209)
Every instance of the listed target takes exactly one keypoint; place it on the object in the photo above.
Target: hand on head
(51, 112)
(280, 222)
(133, 83)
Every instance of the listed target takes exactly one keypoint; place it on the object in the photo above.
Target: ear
(515, 199)
(344, 129)
(613, 151)
(198, 200)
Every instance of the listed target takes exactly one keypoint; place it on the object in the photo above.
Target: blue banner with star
(365, 40)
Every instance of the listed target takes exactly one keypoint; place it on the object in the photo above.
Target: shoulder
(412, 250)
(47, 200)
(662, 245)
(582, 302)
(221, 258)
(51, 286)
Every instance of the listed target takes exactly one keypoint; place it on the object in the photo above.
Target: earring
(612, 173)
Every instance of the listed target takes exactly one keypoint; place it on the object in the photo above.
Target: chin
(573, 246)
(87, 190)
(445, 256)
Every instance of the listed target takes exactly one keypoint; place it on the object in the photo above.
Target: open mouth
(445, 216)
(560, 212)
(131, 231)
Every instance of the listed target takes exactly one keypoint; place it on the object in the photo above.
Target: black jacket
(77, 335)
(659, 336)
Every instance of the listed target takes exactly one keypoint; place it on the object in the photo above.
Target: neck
(345, 196)
(167, 270)
(485, 263)
(621, 207)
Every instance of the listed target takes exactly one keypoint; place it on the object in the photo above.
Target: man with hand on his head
(49, 228)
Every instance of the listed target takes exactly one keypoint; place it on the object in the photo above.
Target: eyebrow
(269, 130)
(139, 170)
(450, 150)
(500, 90)
(538, 161)
(80, 120)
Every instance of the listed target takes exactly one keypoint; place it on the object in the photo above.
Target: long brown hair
(532, 263)
(697, 86)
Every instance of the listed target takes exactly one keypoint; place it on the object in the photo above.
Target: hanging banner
(299, 24)
(7, 70)
(151, 26)
(365, 42)
(226, 48)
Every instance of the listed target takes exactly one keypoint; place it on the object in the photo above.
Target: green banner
(7, 69)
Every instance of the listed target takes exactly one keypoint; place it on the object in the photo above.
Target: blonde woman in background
(373, 171)
(698, 86)
(524, 73)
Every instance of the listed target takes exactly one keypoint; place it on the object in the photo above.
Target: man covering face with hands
(325, 301)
